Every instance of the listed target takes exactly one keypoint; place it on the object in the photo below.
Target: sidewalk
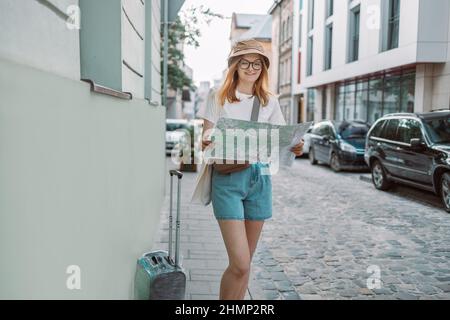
(204, 257)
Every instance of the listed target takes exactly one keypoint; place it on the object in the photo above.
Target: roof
(246, 21)
(435, 115)
(426, 115)
(260, 30)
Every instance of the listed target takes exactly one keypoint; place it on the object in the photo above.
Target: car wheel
(335, 164)
(312, 157)
(379, 178)
(445, 191)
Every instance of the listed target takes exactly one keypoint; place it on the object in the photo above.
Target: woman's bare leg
(253, 231)
(236, 275)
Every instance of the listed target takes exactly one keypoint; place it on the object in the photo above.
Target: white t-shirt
(212, 111)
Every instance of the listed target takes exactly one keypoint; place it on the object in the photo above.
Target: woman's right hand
(205, 143)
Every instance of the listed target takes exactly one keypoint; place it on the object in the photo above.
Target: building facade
(82, 148)
(282, 53)
(367, 58)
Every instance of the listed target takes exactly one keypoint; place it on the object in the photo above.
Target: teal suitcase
(158, 276)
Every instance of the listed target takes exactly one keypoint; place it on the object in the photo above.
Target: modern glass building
(371, 97)
(367, 58)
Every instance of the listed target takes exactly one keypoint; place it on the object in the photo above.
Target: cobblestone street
(327, 230)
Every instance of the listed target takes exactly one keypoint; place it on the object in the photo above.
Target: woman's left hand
(298, 149)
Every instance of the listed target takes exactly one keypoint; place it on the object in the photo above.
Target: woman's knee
(241, 268)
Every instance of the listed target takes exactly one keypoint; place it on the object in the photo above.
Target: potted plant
(188, 164)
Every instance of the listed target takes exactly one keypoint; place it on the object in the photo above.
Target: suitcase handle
(177, 173)
(177, 240)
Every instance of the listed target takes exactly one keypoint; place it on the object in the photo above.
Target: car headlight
(347, 147)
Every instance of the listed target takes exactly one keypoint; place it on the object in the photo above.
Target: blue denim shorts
(243, 195)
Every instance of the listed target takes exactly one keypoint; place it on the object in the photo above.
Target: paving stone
(283, 286)
(349, 293)
(271, 294)
(321, 246)
(290, 295)
(443, 279)
(365, 291)
(406, 296)
(444, 287)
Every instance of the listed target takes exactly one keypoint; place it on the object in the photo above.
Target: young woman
(242, 200)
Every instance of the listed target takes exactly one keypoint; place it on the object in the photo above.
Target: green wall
(81, 183)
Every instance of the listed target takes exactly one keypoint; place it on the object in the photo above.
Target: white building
(361, 59)
(202, 95)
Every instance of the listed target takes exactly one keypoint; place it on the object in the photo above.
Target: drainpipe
(166, 51)
(279, 44)
(293, 57)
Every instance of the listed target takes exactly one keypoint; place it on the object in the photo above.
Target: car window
(321, 129)
(330, 131)
(409, 129)
(315, 129)
(390, 130)
(438, 130)
(176, 126)
(376, 132)
(349, 130)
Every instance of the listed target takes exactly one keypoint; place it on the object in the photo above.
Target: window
(300, 33)
(353, 130)
(391, 99)
(310, 105)
(376, 132)
(409, 129)
(393, 24)
(299, 74)
(330, 8)
(390, 131)
(309, 68)
(311, 15)
(322, 129)
(289, 71)
(438, 130)
(328, 46)
(288, 28)
(354, 34)
(324, 103)
(390, 92)
(328, 131)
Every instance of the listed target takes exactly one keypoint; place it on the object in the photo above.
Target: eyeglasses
(245, 64)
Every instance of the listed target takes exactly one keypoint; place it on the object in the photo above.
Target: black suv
(413, 149)
(339, 144)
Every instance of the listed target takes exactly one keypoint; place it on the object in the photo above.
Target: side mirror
(326, 138)
(417, 144)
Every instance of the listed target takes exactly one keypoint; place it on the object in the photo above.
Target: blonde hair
(227, 91)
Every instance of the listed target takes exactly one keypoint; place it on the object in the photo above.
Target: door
(417, 163)
(323, 145)
(391, 148)
(301, 107)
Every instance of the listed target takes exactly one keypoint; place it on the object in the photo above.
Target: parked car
(412, 149)
(307, 139)
(339, 144)
(175, 133)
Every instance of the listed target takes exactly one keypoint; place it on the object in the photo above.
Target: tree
(185, 30)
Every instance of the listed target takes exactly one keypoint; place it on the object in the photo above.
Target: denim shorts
(243, 195)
